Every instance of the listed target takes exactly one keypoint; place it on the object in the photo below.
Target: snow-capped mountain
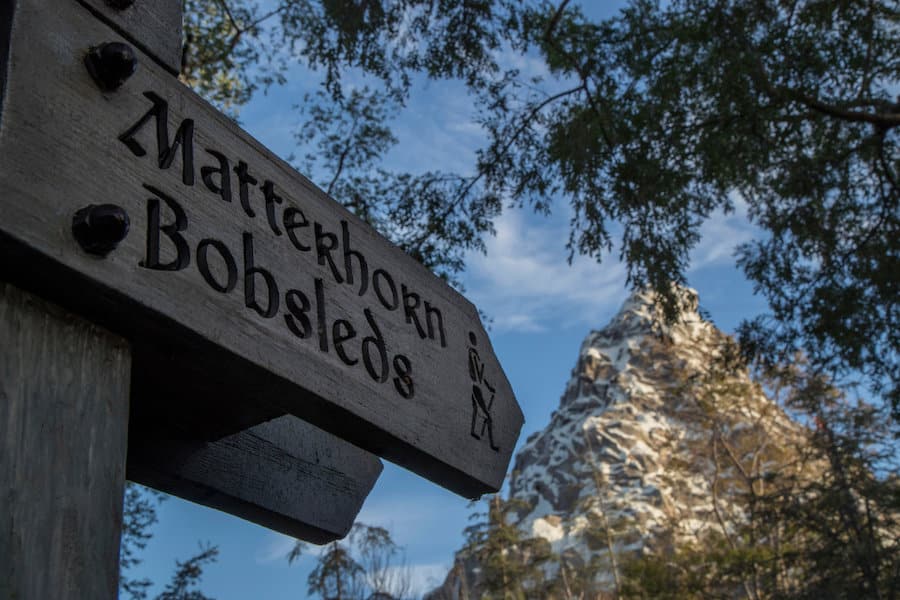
(656, 428)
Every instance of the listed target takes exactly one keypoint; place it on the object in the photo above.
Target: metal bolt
(119, 4)
(98, 228)
(110, 64)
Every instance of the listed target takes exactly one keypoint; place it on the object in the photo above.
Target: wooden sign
(234, 271)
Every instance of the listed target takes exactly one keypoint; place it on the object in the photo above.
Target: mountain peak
(642, 309)
(625, 445)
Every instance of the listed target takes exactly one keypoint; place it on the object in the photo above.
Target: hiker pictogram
(481, 409)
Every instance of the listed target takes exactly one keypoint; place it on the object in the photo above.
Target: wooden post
(63, 438)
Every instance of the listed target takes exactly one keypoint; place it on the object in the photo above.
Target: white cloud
(721, 234)
(411, 517)
(414, 516)
(425, 577)
(414, 581)
(437, 131)
(275, 549)
(524, 282)
(386, 513)
(529, 65)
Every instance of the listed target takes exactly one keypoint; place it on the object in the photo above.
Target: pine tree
(512, 566)
(138, 517)
(188, 574)
(337, 576)
(366, 565)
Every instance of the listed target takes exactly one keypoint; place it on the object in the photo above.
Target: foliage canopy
(646, 123)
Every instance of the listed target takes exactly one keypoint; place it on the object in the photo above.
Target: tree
(336, 576)
(138, 516)
(365, 566)
(386, 573)
(511, 564)
(188, 574)
(846, 522)
(235, 47)
(647, 123)
(799, 512)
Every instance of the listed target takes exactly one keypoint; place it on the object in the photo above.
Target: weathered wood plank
(283, 474)
(153, 25)
(237, 268)
(63, 426)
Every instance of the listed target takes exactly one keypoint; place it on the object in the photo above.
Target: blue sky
(542, 308)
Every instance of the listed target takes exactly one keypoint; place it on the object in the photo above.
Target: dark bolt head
(110, 64)
(98, 228)
(119, 4)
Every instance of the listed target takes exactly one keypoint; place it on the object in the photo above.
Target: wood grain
(62, 148)
(153, 25)
(283, 474)
(63, 425)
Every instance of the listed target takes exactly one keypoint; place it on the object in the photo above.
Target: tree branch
(239, 31)
(554, 20)
(886, 120)
(718, 514)
(230, 15)
(843, 111)
(341, 159)
(526, 121)
(579, 70)
(267, 16)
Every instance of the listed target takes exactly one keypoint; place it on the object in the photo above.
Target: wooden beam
(284, 474)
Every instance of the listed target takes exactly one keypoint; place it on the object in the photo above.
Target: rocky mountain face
(655, 434)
